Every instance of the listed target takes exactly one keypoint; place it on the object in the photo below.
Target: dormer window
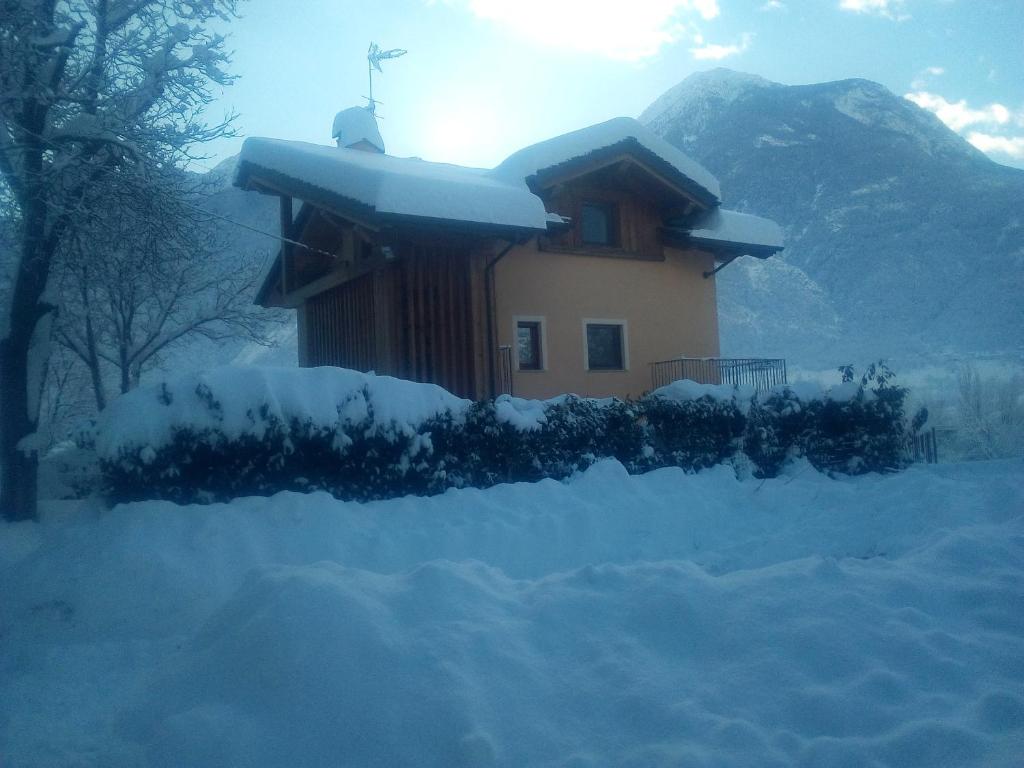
(599, 224)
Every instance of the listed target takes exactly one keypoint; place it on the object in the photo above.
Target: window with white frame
(531, 344)
(605, 345)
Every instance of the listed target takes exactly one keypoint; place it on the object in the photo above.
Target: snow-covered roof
(356, 124)
(720, 225)
(395, 185)
(500, 197)
(546, 155)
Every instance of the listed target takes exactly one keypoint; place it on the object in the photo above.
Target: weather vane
(374, 56)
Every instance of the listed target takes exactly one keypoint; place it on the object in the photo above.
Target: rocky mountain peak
(688, 110)
(897, 230)
(702, 93)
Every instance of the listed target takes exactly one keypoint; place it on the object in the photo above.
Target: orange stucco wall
(668, 307)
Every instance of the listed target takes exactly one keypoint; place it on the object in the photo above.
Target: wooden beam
(313, 196)
(286, 247)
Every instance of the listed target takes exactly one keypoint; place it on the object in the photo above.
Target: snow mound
(521, 414)
(724, 226)
(655, 620)
(242, 400)
(356, 124)
(683, 390)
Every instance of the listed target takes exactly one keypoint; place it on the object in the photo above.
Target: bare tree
(89, 90)
(989, 415)
(152, 275)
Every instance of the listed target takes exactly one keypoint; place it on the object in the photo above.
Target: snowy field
(664, 619)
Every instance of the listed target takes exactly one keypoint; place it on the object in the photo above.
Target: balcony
(759, 373)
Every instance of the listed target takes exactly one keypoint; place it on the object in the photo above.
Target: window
(598, 224)
(605, 345)
(529, 345)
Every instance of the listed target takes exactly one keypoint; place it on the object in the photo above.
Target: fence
(923, 447)
(760, 373)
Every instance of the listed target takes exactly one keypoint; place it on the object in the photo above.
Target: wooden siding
(340, 324)
(435, 317)
(413, 318)
(637, 225)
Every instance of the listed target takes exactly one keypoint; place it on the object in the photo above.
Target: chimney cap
(356, 125)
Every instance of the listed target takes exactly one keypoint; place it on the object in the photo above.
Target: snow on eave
(531, 161)
(732, 229)
(394, 186)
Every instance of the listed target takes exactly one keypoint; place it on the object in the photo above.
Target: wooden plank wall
(340, 326)
(413, 318)
(638, 224)
(435, 326)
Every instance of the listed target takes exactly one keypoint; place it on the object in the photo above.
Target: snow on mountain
(902, 239)
(700, 97)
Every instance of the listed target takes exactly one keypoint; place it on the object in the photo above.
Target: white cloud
(956, 114)
(1006, 145)
(995, 118)
(715, 52)
(890, 9)
(617, 30)
(921, 81)
(773, 5)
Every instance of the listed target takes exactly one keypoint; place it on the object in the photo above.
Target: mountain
(902, 240)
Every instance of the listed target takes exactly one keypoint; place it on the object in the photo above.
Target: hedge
(202, 455)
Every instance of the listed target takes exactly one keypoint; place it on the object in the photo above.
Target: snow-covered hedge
(243, 431)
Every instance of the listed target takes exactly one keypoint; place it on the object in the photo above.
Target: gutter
(490, 309)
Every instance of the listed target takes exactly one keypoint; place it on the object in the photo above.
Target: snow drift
(662, 619)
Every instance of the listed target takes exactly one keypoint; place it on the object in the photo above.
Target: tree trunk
(93, 364)
(19, 406)
(18, 481)
(126, 382)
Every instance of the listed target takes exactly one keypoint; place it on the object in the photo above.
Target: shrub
(778, 427)
(861, 427)
(357, 436)
(693, 433)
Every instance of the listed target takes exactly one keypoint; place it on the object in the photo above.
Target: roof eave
(275, 182)
(726, 248)
(733, 249)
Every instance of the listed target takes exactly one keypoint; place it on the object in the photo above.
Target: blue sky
(485, 77)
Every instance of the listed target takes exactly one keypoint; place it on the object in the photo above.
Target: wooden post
(286, 247)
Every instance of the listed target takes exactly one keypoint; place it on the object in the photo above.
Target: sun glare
(464, 136)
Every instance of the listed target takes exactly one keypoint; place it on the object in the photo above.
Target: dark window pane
(596, 224)
(604, 347)
(528, 344)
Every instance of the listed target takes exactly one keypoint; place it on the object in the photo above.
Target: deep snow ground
(664, 619)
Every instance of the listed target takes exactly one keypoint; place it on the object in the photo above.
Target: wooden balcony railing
(759, 373)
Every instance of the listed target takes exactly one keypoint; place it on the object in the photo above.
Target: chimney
(356, 128)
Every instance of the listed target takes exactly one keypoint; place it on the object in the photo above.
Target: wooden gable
(640, 199)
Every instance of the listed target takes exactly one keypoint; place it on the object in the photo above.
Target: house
(572, 266)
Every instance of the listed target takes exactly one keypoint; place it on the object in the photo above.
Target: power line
(287, 240)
